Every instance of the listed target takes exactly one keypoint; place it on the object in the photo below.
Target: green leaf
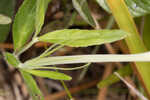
(33, 89)
(41, 6)
(7, 9)
(136, 7)
(83, 38)
(146, 31)
(124, 71)
(4, 19)
(11, 59)
(24, 23)
(82, 7)
(49, 74)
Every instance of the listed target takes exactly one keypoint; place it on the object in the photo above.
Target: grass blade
(134, 42)
(146, 31)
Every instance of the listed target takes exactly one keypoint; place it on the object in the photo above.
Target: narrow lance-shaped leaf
(124, 71)
(83, 38)
(24, 22)
(49, 74)
(7, 9)
(41, 6)
(82, 7)
(33, 89)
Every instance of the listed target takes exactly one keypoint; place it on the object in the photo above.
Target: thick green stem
(143, 57)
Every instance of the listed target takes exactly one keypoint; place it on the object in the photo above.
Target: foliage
(33, 11)
(82, 38)
(33, 14)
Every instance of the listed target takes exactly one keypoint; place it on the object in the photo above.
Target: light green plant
(33, 11)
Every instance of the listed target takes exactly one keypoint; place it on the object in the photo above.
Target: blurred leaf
(83, 38)
(49, 74)
(136, 7)
(7, 9)
(146, 31)
(11, 59)
(4, 19)
(33, 89)
(124, 71)
(82, 7)
(24, 23)
(41, 6)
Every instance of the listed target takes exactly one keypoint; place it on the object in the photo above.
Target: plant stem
(67, 90)
(47, 50)
(52, 67)
(34, 40)
(84, 71)
(52, 51)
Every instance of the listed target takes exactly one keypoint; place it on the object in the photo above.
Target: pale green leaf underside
(4, 19)
(83, 38)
